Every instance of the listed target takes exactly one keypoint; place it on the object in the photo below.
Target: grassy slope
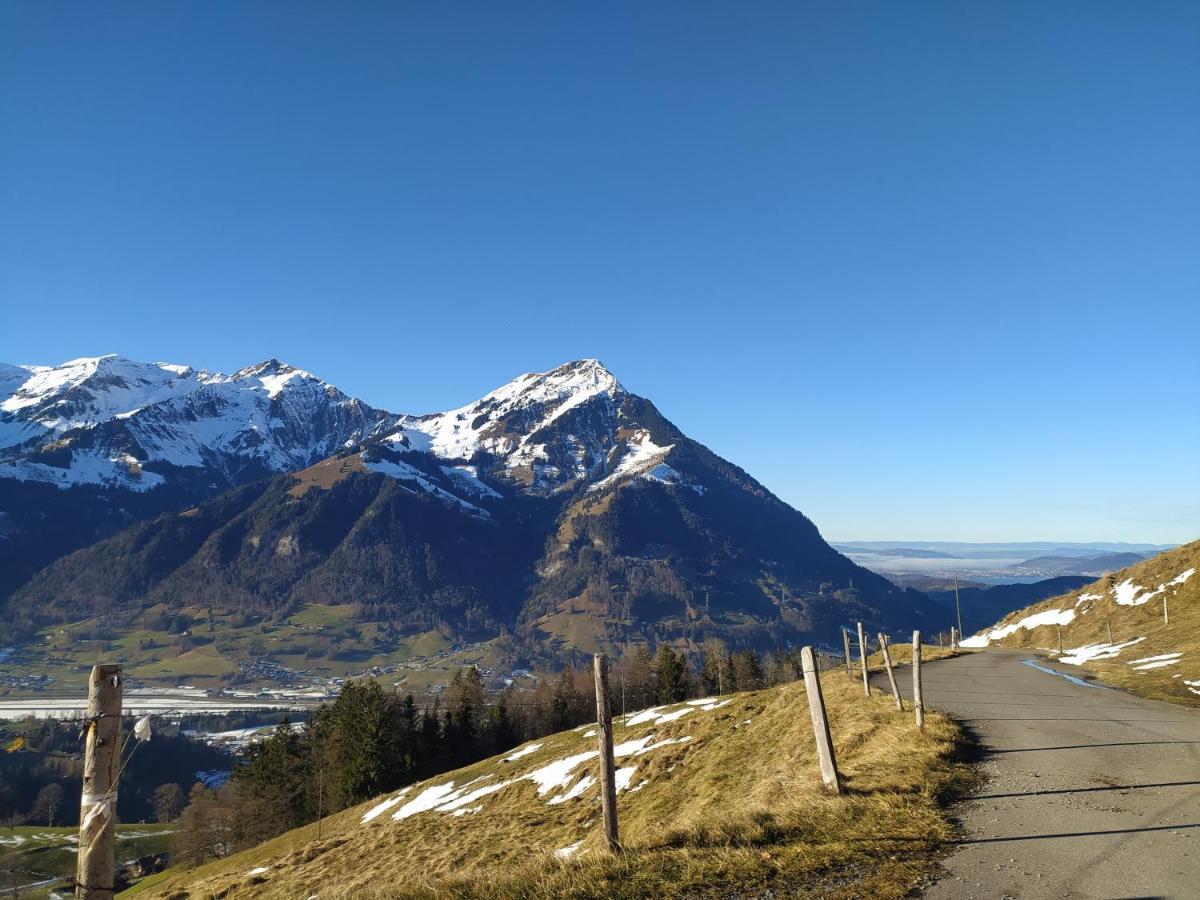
(738, 808)
(1181, 635)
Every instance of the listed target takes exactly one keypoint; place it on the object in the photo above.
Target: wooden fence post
(918, 700)
(849, 664)
(1166, 621)
(1108, 625)
(887, 662)
(98, 801)
(862, 656)
(608, 775)
(820, 723)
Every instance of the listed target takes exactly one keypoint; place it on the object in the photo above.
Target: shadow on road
(1070, 834)
(1087, 790)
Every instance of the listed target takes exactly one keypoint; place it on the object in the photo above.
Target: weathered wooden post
(887, 663)
(98, 801)
(1108, 625)
(862, 657)
(1166, 621)
(1060, 650)
(608, 775)
(820, 723)
(918, 700)
(849, 664)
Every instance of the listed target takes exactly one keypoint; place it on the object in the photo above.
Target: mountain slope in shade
(1148, 652)
(981, 604)
(561, 508)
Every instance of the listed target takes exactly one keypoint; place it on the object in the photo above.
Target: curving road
(1090, 791)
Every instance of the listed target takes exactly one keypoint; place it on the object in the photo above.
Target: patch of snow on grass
(427, 799)
(1079, 655)
(667, 742)
(380, 808)
(624, 776)
(628, 748)
(576, 789)
(646, 715)
(1126, 593)
(558, 774)
(466, 811)
(524, 751)
(1156, 662)
(1045, 617)
(568, 851)
(1146, 659)
(259, 870)
(459, 802)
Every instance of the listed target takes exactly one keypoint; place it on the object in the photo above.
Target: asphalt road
(1089, 791)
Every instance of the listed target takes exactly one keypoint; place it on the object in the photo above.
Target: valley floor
(1089, 791)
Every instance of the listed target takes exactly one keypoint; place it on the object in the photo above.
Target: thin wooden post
(1108, 625)
(820, 723)
(1166, 621)
(1060, 650)
(862, 657)
(98, 801)
(887, 662)
(918, 700)
(849, 664)
(608, 775)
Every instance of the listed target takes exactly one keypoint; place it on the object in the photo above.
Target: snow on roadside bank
(558, 780)
(1045, 617)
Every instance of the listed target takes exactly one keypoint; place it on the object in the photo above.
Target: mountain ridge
(594, 522)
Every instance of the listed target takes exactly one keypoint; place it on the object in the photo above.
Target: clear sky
(927, 270)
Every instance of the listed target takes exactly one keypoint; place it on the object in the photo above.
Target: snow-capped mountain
(559, 507)
(115, 422)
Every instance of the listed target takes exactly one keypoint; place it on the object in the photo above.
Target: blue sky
(926, 270)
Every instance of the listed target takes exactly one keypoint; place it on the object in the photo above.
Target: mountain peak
(274, 375)
(573, 382)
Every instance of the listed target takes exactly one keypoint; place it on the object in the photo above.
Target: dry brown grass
(738, 809)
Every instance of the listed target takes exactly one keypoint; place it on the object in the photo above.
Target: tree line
(371, 740)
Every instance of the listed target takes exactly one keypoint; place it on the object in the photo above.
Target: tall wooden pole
(862, 657)
(820, 723)
(957, 609)
(918, 700)
(849, 664)
(887, 662)
(98, 802)
(608, 775)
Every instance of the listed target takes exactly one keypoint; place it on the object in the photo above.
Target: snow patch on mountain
(642, 456)
(402, 471)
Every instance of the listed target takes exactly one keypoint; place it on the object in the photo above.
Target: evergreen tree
(672, 675)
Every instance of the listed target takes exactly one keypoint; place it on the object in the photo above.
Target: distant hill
(1146, 654)
(1099, 564)
(905, 552)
